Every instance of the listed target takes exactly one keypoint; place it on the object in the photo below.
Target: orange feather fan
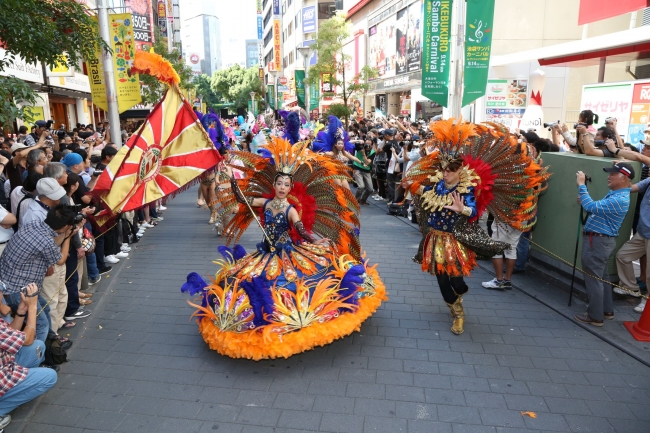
(155, 65)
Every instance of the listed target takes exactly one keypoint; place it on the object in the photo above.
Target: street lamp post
(274, 74)
(305, 52)
(253, 102)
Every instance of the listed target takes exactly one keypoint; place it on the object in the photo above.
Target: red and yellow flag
(169, 150)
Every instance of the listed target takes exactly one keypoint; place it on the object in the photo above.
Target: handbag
(88, 241)
(473, 237)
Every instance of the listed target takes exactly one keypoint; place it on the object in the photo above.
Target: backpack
(55, 354)
(381, 163)
(398, 210)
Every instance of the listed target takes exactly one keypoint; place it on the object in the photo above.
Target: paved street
(139, 365)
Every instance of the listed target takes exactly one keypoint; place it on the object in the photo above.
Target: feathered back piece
(155, 65)
(217, 135)
(330, 209)
(325, 140)
(509, 178)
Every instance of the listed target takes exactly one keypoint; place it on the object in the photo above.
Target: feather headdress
(325, 140)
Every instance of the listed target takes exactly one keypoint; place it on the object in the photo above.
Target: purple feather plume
(292, 128)
(194, 284)
(351, 282)
(226, 252)
(259, 297)
(239, 252)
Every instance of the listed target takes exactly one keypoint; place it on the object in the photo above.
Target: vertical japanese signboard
(142, 23)
(478, 42)
(314, 97)
(436, 52)
(277, 44)
(309, 19)
(299, 75)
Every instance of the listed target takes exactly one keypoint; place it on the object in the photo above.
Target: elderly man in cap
(599, 238)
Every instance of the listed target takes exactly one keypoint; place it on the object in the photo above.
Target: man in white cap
(49, 194)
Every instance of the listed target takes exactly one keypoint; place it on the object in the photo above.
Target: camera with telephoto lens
(575, 125)
(551, 125)
(610, 120)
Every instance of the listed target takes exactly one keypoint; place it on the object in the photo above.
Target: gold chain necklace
(278, 204)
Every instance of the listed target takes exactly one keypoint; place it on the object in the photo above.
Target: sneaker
(147, 225)
(122, 255)
(161, 207)
(633, 293)
(159, 218)
(584, 318)
(140, 233)
(506, 284)
(93, 281)
(111, 259)
(79, 314)
(106, 270)
(639, 308)
(493, 284)
(125, 248)
(5, 420)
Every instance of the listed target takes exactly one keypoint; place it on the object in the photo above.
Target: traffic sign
(283, 80)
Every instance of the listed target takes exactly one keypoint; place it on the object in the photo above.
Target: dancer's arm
(241, 198)
(302, 231)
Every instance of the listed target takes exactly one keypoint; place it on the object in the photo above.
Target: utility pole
(109, 76)
(458, 51)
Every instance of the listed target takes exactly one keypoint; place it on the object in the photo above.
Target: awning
(621, 46)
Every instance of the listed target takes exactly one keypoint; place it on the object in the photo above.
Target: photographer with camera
(21, 379)
(599, 238)
(365, 152)
(30, 254)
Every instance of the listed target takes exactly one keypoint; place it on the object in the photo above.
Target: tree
(152, 89)
(332, 35)
(236, 83)
(40, 31)
(203, 86)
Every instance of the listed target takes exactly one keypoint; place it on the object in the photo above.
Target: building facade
(201, 36)
(252, 58)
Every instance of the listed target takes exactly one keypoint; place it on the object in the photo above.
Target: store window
(290, 29)
(291, 58)
(297, 20)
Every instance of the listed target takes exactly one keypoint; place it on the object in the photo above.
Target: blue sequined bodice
(277, 229)
(445, 219)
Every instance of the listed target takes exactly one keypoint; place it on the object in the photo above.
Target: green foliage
(41, 30)
(332, 35)
(152, 89)
(236, 83)
(203, 86)
(339, 110)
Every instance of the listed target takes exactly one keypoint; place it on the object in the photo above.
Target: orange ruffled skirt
(443, 254)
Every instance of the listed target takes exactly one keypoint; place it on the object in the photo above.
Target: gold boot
(457, 312)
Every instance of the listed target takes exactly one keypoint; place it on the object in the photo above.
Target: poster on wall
(414, 40)
(609, 100)
(382, 43)
(505, 101)
(142, 23)
(640, 115)
(401, 28)
(382, 106)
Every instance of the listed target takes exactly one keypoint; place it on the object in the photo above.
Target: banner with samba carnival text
(479, 21)
(436, 53)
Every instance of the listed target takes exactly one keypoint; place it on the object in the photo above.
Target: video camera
(575, 125)
(550, 126)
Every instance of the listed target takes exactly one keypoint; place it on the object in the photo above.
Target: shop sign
(609, 100)
(259, 28)
(78, 82)
(640, 115)
(259, 7)
(276, 7)
(142, 23)
(22, 70)
(326, 85)
(314, 97)
(277, 43)
(478, 43)
(505, 101)
(382, 104)
(436, 52)
(61, 68)
(309, 19)
(283, 89)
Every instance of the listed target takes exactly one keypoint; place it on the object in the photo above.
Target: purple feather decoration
(259, 297)
(199, 115)
(351, 282)
(194, 284)
(357, 231)
(226, 252)
(239, 252)
(292, 128)
(283, 114)
(266, 154)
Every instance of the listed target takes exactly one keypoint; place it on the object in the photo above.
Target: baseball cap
(72, 159)
(17, 146)
(389, 132)
(41, 123)
(50, 188)
(621, 167)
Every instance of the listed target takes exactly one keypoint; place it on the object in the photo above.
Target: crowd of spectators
(53, 249)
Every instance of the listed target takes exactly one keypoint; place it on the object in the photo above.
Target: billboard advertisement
(395, 44)
(505, 102)
(142, 23)
(309, 19)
